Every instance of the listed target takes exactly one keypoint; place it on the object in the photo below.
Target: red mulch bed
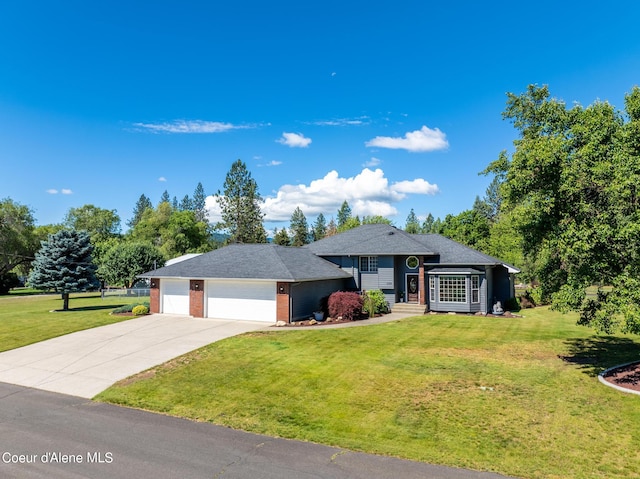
(627, 377)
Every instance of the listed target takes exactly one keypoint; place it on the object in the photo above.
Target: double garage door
(244, 300)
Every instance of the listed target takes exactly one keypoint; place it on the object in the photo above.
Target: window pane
(453, 289)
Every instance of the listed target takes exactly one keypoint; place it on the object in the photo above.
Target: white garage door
(175, 296)
(249, 300)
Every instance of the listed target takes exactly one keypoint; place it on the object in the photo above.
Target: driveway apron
(87, 362)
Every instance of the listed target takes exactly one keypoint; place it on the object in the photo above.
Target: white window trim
(369, 261)
(477, 289)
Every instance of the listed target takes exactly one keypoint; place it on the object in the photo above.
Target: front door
(412, 288)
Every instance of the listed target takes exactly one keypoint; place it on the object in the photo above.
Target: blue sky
(389, 105)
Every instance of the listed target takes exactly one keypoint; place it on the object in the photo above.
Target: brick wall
(282, 302)
(154, 296)
(196, 298)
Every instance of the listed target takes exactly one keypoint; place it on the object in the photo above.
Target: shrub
(128, 308)
(140, 310)
(345, 304)
(512, 304)
(375, 302)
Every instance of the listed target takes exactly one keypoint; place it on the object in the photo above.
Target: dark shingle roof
(253, 261)
(374, 239)
(382, 239)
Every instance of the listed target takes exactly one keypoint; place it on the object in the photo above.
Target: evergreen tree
(64, 264)
(344, 213)
(141, 205)
(199, 203)
(299, 228)
(427, 224)
(376, 220)
(165, 197)
(281, 237)
(240, 206)
(413, 225)
(319, 229)
(186, 204)
(174, 204)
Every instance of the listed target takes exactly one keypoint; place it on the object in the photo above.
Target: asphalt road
(51, 435)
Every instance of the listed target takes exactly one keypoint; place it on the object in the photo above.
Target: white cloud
(64, 191)
(372, 162)
(363, 120)
(294, 140)
(213, 209)
(416, 187)
(368, 193)
(162, 179)
(273, 163)
(424, 139)
(189, 126)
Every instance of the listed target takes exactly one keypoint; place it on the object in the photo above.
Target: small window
(412, 262)
(475, 289)
(432, 288)
(368, 264)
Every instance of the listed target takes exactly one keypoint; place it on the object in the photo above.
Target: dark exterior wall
(350, 265)
(196, 298)
(502, 285)
(154, 296)
(306, 297)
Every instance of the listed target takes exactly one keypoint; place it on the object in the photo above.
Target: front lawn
(28, 319)
(516, 396)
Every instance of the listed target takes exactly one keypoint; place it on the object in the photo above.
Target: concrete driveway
(88, 362)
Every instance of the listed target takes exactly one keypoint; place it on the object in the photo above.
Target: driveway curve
(87, 362)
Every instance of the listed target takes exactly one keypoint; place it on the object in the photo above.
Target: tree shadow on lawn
(89, 308)
(597, 353)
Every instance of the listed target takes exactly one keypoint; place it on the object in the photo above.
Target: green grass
(28, 319)
(515, 396)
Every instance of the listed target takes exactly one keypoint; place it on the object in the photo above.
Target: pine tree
(281, 237)
(427, 225)
(344, 214)
(413, 225)
(64, 264)
(240, 206)
(319, 229)
(186, 204)
(142, 204)
(199, 203)
(299, 228)
(165, 197)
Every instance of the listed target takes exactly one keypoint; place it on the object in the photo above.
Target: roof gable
(253, 261)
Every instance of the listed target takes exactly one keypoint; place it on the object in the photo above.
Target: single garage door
(175, 296)
(249, 300)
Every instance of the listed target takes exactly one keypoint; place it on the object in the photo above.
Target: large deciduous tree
(572, 184)
(240, 206)
(17, 240)
(101, 224)
(123, 263)
(64, 264)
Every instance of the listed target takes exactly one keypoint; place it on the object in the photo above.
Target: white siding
(248, 300)
(175, 296)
